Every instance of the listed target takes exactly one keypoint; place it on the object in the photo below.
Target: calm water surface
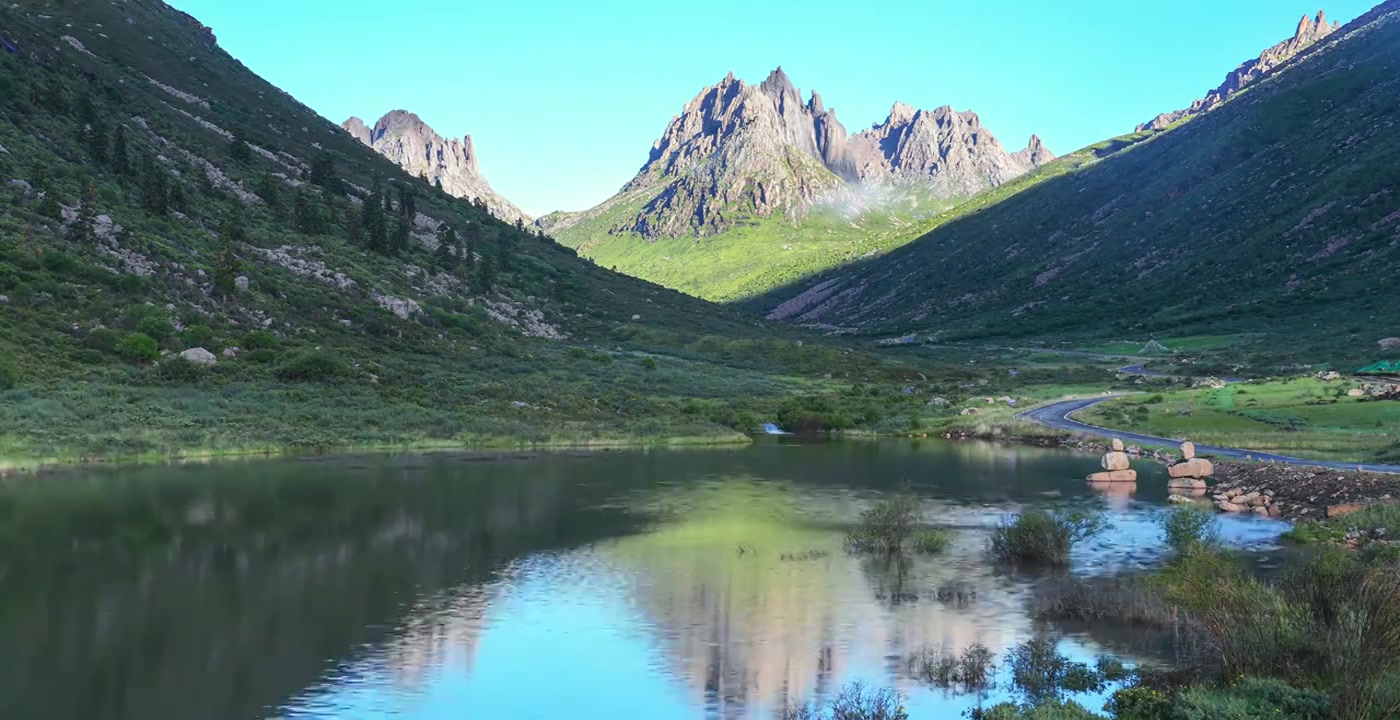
(665, 584)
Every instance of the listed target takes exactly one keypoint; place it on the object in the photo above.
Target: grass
(892, 528)
(1190, 529)
(1303, 417)
(1042, 537)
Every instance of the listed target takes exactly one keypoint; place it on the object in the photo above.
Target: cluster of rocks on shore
(1302, 493)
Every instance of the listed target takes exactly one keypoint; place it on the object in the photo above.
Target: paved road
(1057, 415)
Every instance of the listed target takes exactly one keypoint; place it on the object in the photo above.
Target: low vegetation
(1043, 537)
(1190, 529)
(892, 528)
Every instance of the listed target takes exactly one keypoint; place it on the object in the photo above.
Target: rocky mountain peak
(409, 142)
(739, 150)
(1310, 31)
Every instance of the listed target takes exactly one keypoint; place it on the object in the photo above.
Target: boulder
(969, 411)
(1345, 509)
(1246, 499)
(1186, 484)
(1356, 392)
(1114, 476)
(1117, 445)
(1228, 507)
(1115, 461)
(1390, 343)
(1179, 500)
(199, 356)
(1188, 450)
(230, 352)
(241, 282)
(1260, 511)
(1193, 468)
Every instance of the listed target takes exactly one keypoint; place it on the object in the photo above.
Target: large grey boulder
(199, 356)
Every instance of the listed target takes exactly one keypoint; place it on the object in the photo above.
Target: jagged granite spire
(410, 143)
(738, 151)
(1310, 31)
(944, 149)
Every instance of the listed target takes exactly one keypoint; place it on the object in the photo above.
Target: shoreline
(489, 449)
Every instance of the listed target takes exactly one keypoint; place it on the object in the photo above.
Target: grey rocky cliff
(738, 151)
(1309, 32)
(948, 151)
(410, 143)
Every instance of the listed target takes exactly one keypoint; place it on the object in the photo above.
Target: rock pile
(1236, 500)
(1116, 467)
(1190, 472)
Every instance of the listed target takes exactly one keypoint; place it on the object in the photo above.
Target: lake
(705, 583)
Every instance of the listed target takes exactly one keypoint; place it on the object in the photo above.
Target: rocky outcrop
(410, 143)
(739, 151)
(1309, 32)
(944, 149)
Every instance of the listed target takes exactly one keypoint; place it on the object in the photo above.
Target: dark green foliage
(447, 245)
(886, 527)
(855, 701)
(260, 340)
(83, 230)
(200, 336)
(9, 372)
(155, 186)
(969, 671)
(648, 363)
(1042, 537)
(312, 366)
(1041, 673)
(226, 265)
(323, 172)
(119, 158)
(179, 371)
(238, 149)
(155, 326)
(138, 347)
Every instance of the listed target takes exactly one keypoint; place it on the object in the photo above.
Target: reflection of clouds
(750, 632)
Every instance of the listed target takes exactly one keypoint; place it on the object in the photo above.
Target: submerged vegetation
(892, 528)
(1042, 537)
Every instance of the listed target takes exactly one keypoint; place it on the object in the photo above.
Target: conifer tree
(471, 244)
(97, 141)
(226, 265)
(239, 150)
(155, 197)
(486, 274)
(399, 242)
(119, 158)
(447, 245)
(84, 228)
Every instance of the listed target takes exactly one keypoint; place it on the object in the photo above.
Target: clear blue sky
(564, 97)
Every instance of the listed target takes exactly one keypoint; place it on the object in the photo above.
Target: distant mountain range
(410, 143)
(739, 151)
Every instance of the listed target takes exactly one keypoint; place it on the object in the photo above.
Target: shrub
(312, 366)
(603, 357)
(260, 340)
(200, 336)
(9, 373)
(180, 370)
(970, 671)
(1050, 710)
(578, 353)
(1129, 600)
(1042, 674)
(856, 701)
(1038, 536)
(1190, 529)
(138, 347)
(156, 326)
(1252, 699)
(931, 541)
(88, 356)
(262, 356)
(648, 363)
(886, 527)
(103, 339)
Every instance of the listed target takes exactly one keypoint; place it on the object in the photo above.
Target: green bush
(312, 366)
(9, 373)
(138, 347)
(200, 336)
(103, 339)
(1190, 529)
(260, 340)
(1042, 537)
(262, 356)
(603, 357)
(1050, 710)
(181, 371)
(886, 527)
(648, 363)
(855, 701)
(1251, 699)
(931, 541)
(157, 327)
(578, 353)
(88, 356)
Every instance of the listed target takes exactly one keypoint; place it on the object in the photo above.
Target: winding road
(1057, 415)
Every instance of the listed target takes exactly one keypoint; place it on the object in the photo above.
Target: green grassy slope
(760, 255)
(1279, 214)
(341, 339)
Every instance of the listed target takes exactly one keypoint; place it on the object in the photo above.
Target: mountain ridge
(412, 144)
(1310, 31)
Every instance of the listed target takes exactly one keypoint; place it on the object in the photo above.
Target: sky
(564, 98)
